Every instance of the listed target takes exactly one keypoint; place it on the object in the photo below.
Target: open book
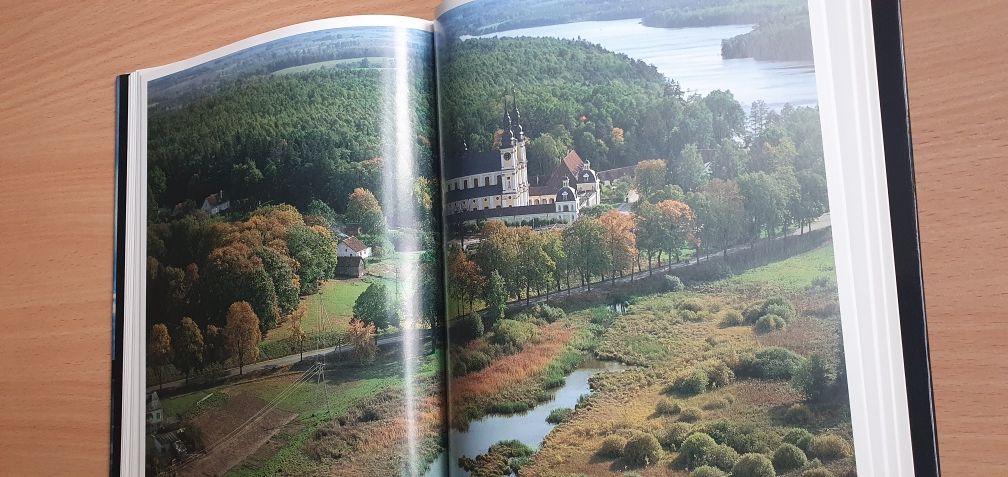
(574, 237)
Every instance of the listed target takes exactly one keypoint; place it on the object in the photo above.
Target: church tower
(514, 163)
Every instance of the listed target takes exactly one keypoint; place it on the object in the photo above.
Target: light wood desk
(57, 65)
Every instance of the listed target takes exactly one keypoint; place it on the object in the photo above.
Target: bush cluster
(708, 471)
(694, 449)
(743, 437)
(667, 406)
(731, 317)
(690, 414)
(513, 335)
(830, 446)
(642, 449)
(799, 437)
(768, 323)
(798, 414)
(692, 383)
(722, 457)
(673, 283)
(753, 465)
(562, 414)
(716, 403)
(779, 306)
(770, 363)
(548, 313)
(675, 434)
(788, 457)
(468, 328)
(817, 472)
(612, 446)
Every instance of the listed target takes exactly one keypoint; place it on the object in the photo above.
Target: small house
(215, 204)
(350, 267)
(155, 413)
(352, 230)
(353, 247)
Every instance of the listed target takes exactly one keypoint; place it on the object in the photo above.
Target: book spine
(118, 269)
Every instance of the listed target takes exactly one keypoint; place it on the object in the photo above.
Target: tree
(189, 347)
(537, 265)
(677, 226)
(814, 199)
(544, 153)
(554, 247)
(376, 306)
(363, 208)
(466, 279)
(297, 333)
(650, 176)
(159, 349)
(583, 240)
(649, 231)
(729, 160)
(815, 378)
(496, 298)
(691, 173)
(764, 203)
(620, 241)
(497, 251)
(243, 335)
(720, 214)
(216, 345)
(361, 338)
(728, 118)
(315, 250)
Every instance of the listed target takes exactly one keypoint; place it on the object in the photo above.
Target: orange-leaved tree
(159, 349)
(243, 335)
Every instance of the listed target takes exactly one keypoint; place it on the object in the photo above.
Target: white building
(352, 247)
(495, 184)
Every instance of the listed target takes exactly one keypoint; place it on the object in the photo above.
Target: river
(692, 57)
(529, 427)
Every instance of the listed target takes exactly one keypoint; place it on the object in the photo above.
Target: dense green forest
(614, 110)
(271, 139)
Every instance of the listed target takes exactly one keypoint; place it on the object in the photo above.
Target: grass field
(669, 338)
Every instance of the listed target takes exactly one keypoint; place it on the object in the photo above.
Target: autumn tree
(361, 338)
(159, 349)
(376, 306)
(215, 345)
(497, 251)
(297, 333)
(496, 298)
(243, 335)
(363, 208)
(536, 265)
(620, 241)
(189, 347)
(465, 278)
(676, 226)
(650, 176)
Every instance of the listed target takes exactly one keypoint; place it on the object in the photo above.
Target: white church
(496, 185)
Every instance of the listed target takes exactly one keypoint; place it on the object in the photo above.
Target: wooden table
(57, 64)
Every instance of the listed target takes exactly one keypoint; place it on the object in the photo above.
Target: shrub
(830, 446)
(719, 374)
(562, 414)
(675, 434)
(753, 465)
(695, 382)
(731, 318)
(798, 414)
(770, 363)
(468, 328)
(817, 472)
(691, 305)
(779, 306)
(752, 312)
(788, 457)
(768, 323)
(710, 270)
(612, 446)
(744, 438)
(814, 379)
(513, 334)
(470, 361)
(798, 437)
(690, 414)
(716, 403)
(690, 316)
(708, 471)
(642, 449)
(722, 457)
(548, 313)
(694, 449)
(673, 283)
(668, 406)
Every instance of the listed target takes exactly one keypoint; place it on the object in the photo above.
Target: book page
(640, 261)
(291, 303)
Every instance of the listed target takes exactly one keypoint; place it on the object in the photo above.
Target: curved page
(291, 286)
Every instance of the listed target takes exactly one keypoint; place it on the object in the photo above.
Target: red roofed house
(352, 247)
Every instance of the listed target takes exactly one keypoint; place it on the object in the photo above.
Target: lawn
(329, 310)
(794, 273)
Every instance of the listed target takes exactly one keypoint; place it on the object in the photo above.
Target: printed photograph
(640, 272)
(293, 314)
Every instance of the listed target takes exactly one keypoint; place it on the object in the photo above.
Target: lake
(529, 427)
(692, 57)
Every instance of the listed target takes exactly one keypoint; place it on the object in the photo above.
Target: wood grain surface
(57, 65)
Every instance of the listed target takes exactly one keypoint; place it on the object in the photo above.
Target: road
(285, 361)
(820, 223)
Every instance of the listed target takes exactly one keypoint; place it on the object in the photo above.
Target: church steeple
(508, 138)
(517, 116)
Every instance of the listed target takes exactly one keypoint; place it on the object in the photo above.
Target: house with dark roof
(350, 267)
(214, 204)
(353, 247)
